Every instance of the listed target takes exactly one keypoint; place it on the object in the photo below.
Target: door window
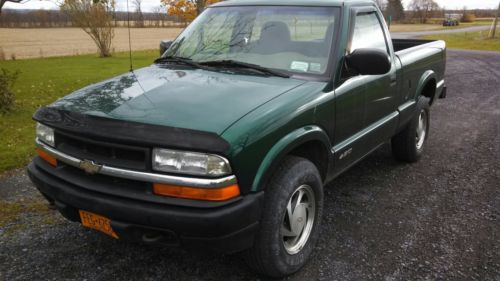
(368, 33)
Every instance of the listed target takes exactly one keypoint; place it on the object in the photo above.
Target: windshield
(293, 39)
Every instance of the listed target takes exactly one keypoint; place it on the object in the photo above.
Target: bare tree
(113, 11)
(158, 15)
(381, 4)
(2, 2)
(94, 17)
(139, 17)
(423, 9)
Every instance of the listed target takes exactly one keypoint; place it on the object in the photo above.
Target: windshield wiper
(240, 64)
(181, 60)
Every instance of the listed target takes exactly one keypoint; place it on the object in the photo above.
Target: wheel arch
(427, 86)
(310, 142)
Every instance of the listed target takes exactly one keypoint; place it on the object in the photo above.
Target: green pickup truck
(226, 142)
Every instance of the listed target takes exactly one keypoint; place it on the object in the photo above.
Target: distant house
(453, 16)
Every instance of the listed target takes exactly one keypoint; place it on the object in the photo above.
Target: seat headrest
(275, 31)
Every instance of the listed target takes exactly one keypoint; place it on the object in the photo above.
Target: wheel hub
(298, 219)
(421, 130)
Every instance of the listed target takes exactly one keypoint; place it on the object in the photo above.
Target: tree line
(422, 11)
(181, 12)
(55, 18)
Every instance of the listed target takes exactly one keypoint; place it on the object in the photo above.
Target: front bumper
(220, 228)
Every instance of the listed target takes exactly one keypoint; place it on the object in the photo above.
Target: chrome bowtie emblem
(90, 167)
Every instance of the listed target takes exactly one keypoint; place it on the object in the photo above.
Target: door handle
(393, 80)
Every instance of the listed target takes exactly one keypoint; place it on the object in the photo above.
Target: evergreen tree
(395, 9)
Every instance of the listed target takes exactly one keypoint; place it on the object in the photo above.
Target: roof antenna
(129, 39)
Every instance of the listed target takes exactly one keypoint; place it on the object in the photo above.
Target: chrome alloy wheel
(298, 220)
(421, 130)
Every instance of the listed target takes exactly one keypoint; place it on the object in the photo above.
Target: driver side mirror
(164, 45)
(369, 61)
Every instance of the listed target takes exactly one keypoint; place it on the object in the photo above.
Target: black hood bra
(128, 132)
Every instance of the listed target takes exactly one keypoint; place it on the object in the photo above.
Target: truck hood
(192, 99)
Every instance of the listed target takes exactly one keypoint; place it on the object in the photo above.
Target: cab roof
(323, 3)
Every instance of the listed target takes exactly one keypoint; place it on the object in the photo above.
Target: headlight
(191, 163)
(45, 134)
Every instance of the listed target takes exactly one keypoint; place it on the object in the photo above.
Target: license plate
(97, 222)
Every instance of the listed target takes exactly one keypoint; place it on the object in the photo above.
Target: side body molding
(287, 144)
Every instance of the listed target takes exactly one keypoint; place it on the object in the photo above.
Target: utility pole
(494, 26)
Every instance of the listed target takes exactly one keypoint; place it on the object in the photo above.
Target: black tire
(269, 255)
(405, 145)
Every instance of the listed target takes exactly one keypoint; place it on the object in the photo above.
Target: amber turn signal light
(207, 194)
(45, 156)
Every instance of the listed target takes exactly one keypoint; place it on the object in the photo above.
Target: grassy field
(431, 27)
(49, 42)
(42, 81)
(469, 40)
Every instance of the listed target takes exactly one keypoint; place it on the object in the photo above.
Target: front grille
(106, 184)
(110, 154)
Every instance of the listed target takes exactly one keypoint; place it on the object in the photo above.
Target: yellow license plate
(97, 222)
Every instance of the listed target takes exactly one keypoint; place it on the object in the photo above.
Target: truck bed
(419, 59)
(401, 44)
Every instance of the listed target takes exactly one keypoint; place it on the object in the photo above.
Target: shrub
(468, 18)
(2, 54)
(7, 80)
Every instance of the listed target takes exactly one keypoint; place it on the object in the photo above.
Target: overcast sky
(148, 5)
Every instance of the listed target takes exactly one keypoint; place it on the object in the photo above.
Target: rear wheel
(408, 145)
(290, 221)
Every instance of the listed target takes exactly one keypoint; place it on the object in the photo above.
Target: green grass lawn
(42, 81)
(469, 40)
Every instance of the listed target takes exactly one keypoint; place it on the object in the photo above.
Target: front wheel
(408, 145)
(291, 218)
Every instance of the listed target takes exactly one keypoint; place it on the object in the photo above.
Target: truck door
(381, 90)
(365, 111)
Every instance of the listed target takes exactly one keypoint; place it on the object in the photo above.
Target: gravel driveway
(438, 219)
